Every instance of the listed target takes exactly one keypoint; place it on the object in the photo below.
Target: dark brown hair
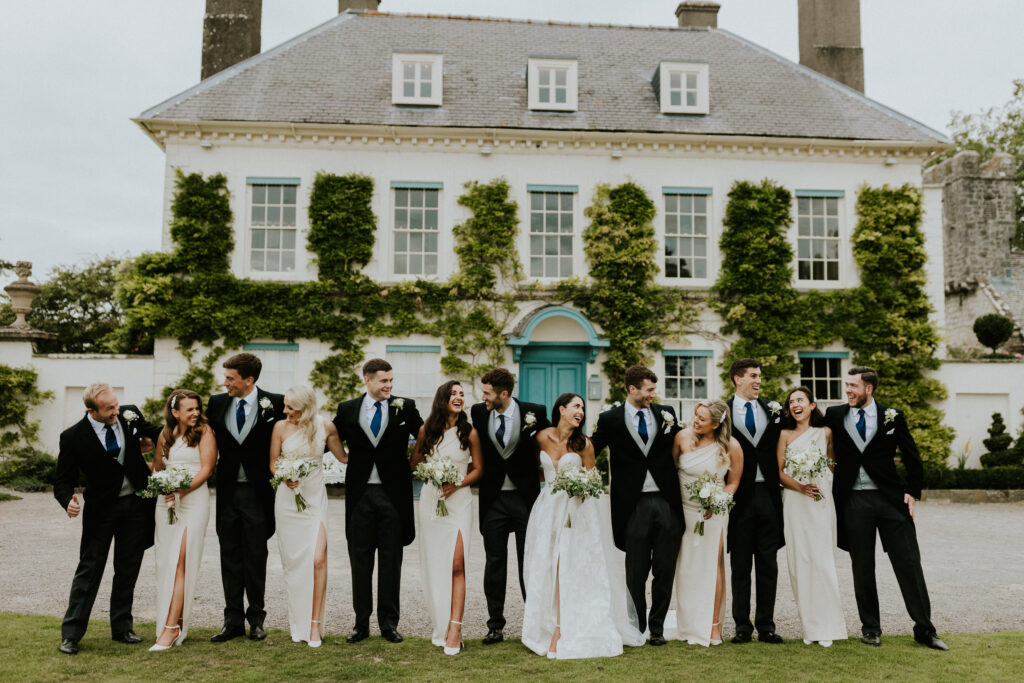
(437, 421)
(740, 366)
(192, 434)
(500, 380)
(245, 364)
(867, 374)
(789, 422)
(375, 365)
(636, 374)
(577, 440)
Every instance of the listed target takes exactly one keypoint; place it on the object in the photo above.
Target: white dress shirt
(633, 413)
(739, 411)
(508, 413)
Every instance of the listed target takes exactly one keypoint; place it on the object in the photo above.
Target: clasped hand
(448, 489)
(810, 490)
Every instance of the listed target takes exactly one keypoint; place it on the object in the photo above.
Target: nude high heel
(160, 648)
(453, 650)
(316, 643)
(713, 641)
(553, 654)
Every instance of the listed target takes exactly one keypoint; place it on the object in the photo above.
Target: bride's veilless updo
(577, 441)
(302, 399)
(723, 432)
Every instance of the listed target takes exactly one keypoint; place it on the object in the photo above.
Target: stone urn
(22, 292)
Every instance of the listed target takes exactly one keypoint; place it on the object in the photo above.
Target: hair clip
(174, 401)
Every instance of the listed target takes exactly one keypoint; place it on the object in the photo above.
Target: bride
(576, 600)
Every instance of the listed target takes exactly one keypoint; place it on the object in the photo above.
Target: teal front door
(548, 371)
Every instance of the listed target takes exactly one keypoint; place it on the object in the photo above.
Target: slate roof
(340, 73)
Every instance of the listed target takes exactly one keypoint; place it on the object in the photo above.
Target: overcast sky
(79, 180)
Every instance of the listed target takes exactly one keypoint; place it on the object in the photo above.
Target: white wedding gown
(597, 615)
(193, 510)
(297, 531)
(810, 529)
(438, 535)
(697, 566)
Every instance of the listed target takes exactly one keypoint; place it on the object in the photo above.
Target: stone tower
(830, 39)
(231, 33)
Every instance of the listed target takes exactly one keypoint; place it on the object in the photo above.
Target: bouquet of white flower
(290, 469)
(578, 482)
(165, 482)
(709, 491)
(438, 470)
(805, 465)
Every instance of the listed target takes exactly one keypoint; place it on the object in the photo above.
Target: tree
(992, 330)
(997, 129)
(80, 306)
(6, 314)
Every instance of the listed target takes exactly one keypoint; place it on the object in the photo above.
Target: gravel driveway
(973, 560)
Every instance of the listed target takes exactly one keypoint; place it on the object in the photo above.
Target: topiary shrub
(998, 440)
(992, 330)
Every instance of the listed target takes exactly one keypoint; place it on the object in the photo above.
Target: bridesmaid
(706, 446)
(187, 441)
(443, 540)
(302, 536)
(810, 525)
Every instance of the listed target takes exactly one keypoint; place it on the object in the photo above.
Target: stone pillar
(231, 33)
(830, 39)
(697, 14)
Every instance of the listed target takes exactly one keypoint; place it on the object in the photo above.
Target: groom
(507, 429)
(376, 429)
(242, 420)
(105, 447)
(647, 507)
(869, 495)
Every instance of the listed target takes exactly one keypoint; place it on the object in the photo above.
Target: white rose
(705, 491)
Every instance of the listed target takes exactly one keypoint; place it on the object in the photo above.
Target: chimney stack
(697, 14)
(363, 5)
(830, 39)
(231, 33)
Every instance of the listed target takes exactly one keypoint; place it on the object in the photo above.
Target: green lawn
(28, 652)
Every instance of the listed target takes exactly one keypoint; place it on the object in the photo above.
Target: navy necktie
(749, 422)
(641, 427)
(499, 433)
(375, 422)
(240, 416)
(862, 427)
(111, 441)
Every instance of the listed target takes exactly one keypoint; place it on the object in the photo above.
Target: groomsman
(755, 524)
(376, 428)
(647, 507)
(507, 429)
(105, 446)
(242, 420)
(870, 496)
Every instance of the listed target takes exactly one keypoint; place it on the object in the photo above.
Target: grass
(28, 652)
(8, 496)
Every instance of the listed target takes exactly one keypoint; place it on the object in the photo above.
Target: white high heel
(554, 654)
(316, 643)
(453, 650)
(160, 648)
(808, 642)
(713, 641)
(825, 643)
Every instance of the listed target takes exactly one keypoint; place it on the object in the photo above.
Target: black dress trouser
(242, 529)
(509, 514)
(653, 536)
(375, 527)
(754, 541)
(127, 522)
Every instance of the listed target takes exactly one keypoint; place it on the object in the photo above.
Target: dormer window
(682, 87)
(416, 78)
(552, 84)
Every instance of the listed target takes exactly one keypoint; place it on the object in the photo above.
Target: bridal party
(745, 479)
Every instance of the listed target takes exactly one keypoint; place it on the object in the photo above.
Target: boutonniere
(129, 417)
(398, 404)
(266, 407)
(775, 407)
(668, 418)
(529, 420)
(890, 415)
(610, 406)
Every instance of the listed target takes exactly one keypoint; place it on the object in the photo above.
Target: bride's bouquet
(291, 469)
(165, 482)
(438, 470)
(806, 465)
(709, 492)
(578, 482)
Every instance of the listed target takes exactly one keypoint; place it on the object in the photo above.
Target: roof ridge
(536, 22)
(840, 87)
(245, 64)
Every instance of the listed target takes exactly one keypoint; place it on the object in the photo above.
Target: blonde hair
(719, 411)
(92, 392)
(302, 399)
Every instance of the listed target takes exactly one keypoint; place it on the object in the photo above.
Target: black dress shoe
(493, 636)
(227, 633)
(256, 632)
(871, 639)
(128, 638)
(932, 641)
(740, 638)
(770, 637)
(391, 635)
(357, 635)
(657, 640)
(69, 646)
